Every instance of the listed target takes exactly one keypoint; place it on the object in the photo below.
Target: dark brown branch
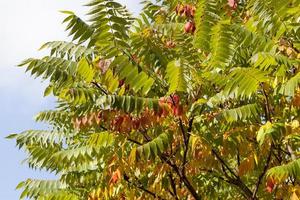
(267, 104)
(268, 118)
(156, 196)
(134, 141)
(223, 163)
(238, 157)
(182, 177)
(173, 185)
(188, 135)
(99, 87)
(277, 157)
(263, 173)
(176, 169)
(236, 180)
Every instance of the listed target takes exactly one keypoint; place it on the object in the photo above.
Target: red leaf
(270, 184)
(232, 4)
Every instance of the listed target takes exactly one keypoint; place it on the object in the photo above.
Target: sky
(24, 26)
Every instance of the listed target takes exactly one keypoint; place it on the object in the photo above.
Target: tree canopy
(195, 99)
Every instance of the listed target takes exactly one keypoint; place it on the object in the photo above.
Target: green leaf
(283, 172)
(290, 86)
(48, 90)
(176, 77)
(273, 131)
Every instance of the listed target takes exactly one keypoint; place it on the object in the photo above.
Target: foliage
(195, 99)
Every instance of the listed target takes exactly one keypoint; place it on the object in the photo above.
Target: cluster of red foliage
(270, 184)
(170, 105)
(232, 4)
(124, 122)
(187, 11)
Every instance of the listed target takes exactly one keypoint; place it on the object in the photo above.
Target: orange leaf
(246, 166)
(116, 176)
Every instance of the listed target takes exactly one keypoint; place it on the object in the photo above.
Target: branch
(186, 137)
(236, 180)
(173, 185)
(223, 163)
(182, 177)
(267, 104)
(134, 141)
(187, 144)
(98, 86)
(156, 196)
(269, 118)
(179, 173)
(263, 172)
(238, 157)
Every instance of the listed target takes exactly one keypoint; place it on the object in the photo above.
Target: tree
(194, 99)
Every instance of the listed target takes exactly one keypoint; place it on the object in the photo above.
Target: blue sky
(24, 26)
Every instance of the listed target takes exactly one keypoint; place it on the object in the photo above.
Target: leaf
(147, 151)
(207, 15)
(246, 165)
(127, 103)
(294, 196)
(103, 139)
(243, 82)
(283, 172)
(269, 130)
(79, 29)
(85, 71)
(270, 185)
(155, 147)
(242, 113)
(222, 44)
(290, 86)
(176, 78)
(137, 80)
(48, 90)
(132, 156)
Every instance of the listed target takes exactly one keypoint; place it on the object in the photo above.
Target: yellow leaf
(295, 124)
(122, 90)
(132, 156)
(85, 70)
(255, 158)
(294, 196)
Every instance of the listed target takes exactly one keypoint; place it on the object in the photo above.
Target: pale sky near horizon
(24, 26)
